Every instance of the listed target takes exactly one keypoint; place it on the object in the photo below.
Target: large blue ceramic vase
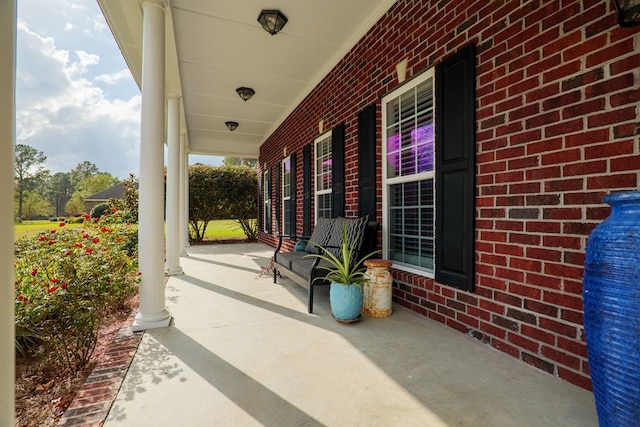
(611, 294)
(346, 301)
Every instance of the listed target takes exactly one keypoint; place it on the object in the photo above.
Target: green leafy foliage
(344, 268)
(128, 205)
(34, 205)
(83, 171)
(66, 281)
(25, 338)
(240, 204)
(28, 171)
(86, 187)
(240, 161)
(249, 227)
(58, 191)
(203, 204)
(99, 209)
(222, 192)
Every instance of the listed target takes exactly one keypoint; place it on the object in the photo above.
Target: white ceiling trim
(214, 46)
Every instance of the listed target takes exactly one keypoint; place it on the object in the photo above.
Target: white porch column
(184, 197)
(7, 141)
(153, 313)
(173, 225)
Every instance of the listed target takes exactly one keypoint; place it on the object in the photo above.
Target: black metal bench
(308, 272)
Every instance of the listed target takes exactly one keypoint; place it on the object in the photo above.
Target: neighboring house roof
(115, 192)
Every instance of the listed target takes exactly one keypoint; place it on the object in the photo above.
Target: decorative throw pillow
(320, 235)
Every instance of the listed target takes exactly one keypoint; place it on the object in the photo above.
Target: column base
(173, 271)
(153, 321)
(184, 254)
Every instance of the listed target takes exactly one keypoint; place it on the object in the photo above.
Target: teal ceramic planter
(346, 301)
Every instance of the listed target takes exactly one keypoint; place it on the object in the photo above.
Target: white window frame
(318, 171)
(285, 196)
(388, 182)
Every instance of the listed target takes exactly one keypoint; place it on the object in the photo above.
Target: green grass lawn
(216, 230)
(223, 229)
(36, 227)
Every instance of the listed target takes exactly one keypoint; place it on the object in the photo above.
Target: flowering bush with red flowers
(67, 281)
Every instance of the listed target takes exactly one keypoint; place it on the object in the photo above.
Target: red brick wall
(558, 104)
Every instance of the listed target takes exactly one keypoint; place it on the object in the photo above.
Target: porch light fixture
(231, 125)
(272, 20)
(245, 93)
(628, 12)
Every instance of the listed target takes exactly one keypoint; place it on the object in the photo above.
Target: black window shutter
(367, 162)
(269, 209)
(261, 200)
(455, 169)
(337, 171)
(306, 190)
(278, 174)
(293, 206)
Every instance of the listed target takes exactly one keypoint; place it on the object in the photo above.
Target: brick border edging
(93, 402)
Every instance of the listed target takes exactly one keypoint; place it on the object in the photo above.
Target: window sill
(412, 270)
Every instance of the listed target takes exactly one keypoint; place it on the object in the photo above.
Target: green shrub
(128, 205)
(25, 338)
(76, 220)
(129, 234)
(99, 209)
(67, 281)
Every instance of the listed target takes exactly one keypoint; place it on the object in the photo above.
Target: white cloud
(114, 78)
(76, 6)
(62, 113)
(68, 26)
(80, 67)
(98, 24)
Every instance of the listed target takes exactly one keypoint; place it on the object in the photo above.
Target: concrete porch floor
(242, 351)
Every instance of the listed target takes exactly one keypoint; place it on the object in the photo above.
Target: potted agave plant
(346, 275)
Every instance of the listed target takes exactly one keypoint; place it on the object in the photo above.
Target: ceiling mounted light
(245, 93)
(231, 125)
(628, 12)
(272, 21)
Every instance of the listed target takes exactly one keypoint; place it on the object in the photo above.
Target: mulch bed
(43, 393)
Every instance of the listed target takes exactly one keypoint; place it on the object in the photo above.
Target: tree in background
(59, 191)
(28, 170)
(91, 185)
(64, 192)
(222, 192)
(83, 171)
(240, 161)
(33, 205)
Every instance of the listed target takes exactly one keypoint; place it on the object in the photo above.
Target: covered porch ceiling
(216, 46)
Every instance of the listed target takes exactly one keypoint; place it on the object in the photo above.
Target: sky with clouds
(76, 99)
